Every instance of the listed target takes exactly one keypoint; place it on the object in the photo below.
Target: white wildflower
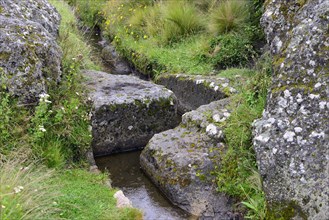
(18, 189)
(44, 98)
(41, 128)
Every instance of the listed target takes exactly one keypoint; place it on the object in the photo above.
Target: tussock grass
(229, 16)
(181, 20)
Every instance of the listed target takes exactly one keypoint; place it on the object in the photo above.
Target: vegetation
(180, 36)
(42, 148)
(238, 174)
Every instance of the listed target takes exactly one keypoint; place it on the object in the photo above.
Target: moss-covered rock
(291, 140)
(128, 111)
(181, 162)
(29, 57)
(39, 11)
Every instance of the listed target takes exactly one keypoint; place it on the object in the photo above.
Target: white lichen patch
(216, 118)
(199, 81)
(264, 138)
(298, 129)
(322, 105)
(211, 129)
(289, 136)
(315, 134)
(313, 96)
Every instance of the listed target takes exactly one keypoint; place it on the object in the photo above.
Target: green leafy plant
(229, 16)
(231, 50)
(255, 201)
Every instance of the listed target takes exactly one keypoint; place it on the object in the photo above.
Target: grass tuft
(24, 192)
(229, 16)
(181, 20)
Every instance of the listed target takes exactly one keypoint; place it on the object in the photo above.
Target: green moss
(284, 211)
(4, 56)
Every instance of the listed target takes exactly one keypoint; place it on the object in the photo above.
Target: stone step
(193, 91)
(127, 111)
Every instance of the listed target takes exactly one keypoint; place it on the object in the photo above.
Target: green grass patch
(173, 36)
(84, 195)
(238, 175)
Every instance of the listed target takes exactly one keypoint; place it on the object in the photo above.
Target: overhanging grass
(85, 196)
(178, 58)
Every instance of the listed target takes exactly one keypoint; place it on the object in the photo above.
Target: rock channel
(129, 113)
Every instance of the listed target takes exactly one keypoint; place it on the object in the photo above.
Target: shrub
(231, 50)
(181, 19)
(228, 16)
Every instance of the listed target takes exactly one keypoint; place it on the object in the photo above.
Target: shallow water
(126, 174)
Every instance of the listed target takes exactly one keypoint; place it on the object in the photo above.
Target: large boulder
(30, 58)
(193, 91)
(39, 11)
(180, 162)
(127, 111)
(292, 138)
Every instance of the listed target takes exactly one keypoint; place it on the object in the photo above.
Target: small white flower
(18, 189)
(41, 128)
(44, 98)
(2, 206)
(77, 93)
(76, 107)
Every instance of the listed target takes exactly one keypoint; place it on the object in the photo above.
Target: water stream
(126, 174)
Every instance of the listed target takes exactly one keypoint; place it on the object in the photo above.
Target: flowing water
(126, 175)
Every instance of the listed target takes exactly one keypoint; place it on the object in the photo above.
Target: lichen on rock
(127, 111)
(181, 161)
(292, 138)
(30, 58)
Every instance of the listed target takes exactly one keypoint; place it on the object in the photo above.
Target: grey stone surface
(180, 162)
(39, 11)
(29, 57)
(193, 91)
(127, 111)
(110, 56)
(292, 138)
